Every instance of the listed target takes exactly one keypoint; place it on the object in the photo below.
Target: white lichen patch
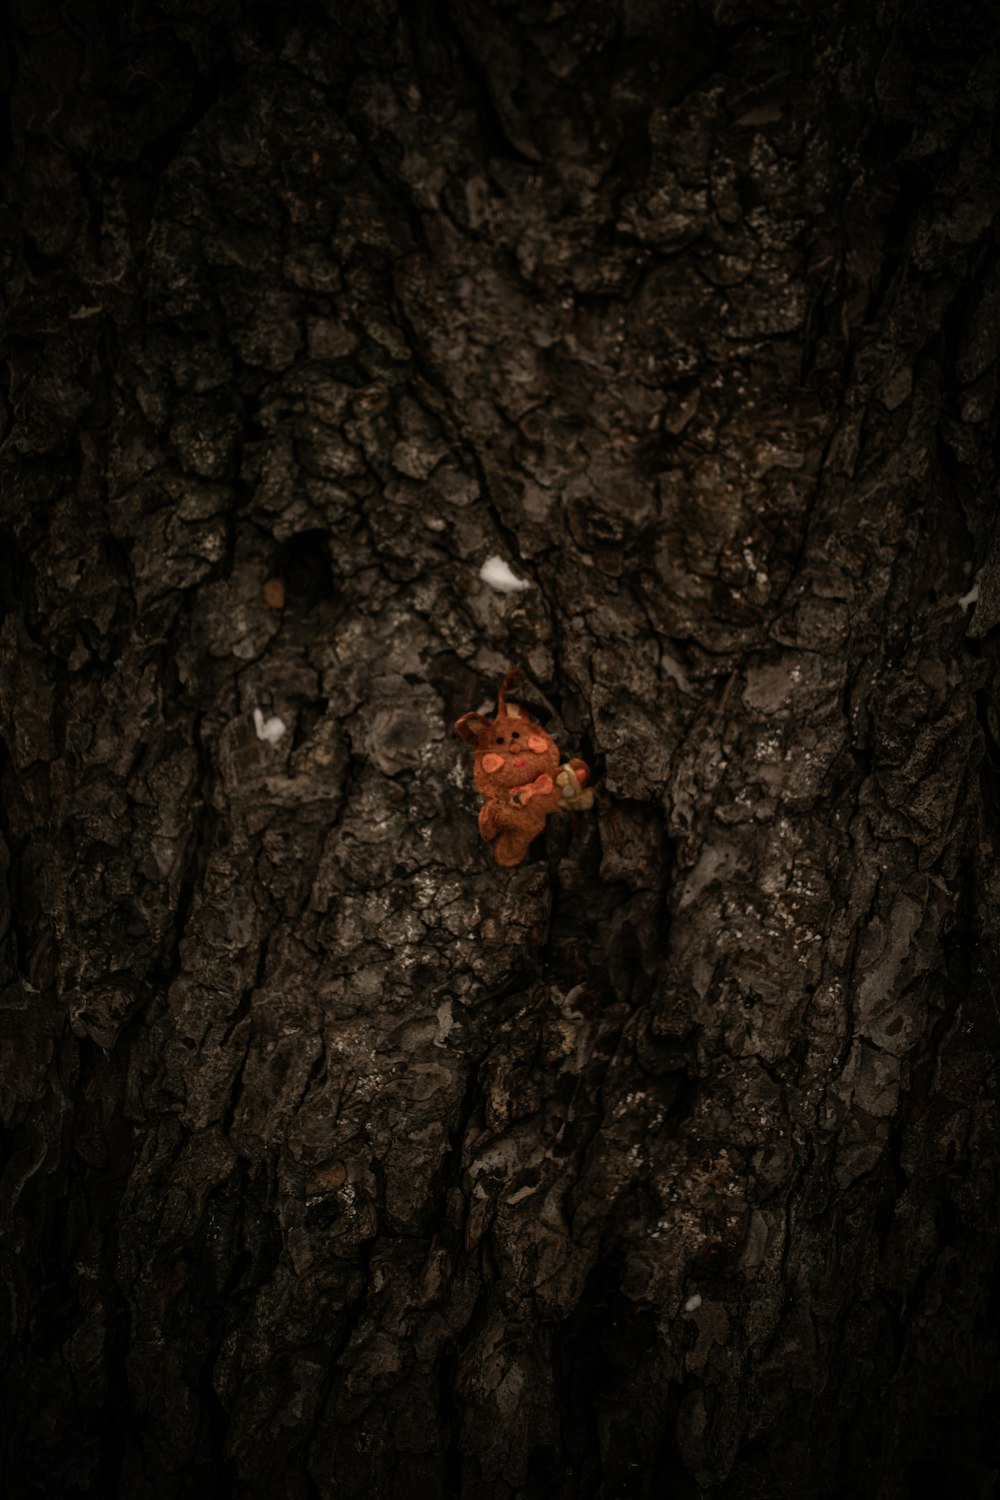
(499, 576)
(269, 730)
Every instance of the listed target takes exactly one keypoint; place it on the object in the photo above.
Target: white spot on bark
(693, 1303)
(498, 575)
(270, 729)
(445, 1022)
(967, 600)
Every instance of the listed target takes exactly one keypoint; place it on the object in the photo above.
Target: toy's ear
(470, 727)
(511, 680)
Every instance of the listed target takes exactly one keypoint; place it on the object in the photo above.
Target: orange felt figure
(517, 770)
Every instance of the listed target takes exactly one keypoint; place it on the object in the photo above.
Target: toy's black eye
(515, 735)
(499, 739)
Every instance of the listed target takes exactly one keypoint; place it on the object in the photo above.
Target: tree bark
(337, 1161)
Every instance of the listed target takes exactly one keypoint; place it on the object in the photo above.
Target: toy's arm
(488, 825)
(540, 787)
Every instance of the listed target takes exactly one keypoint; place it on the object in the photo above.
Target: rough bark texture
(338, 1162)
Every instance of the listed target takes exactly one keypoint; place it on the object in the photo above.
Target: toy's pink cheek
(492, 762)
(536, 743)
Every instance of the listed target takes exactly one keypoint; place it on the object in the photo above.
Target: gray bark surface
(336, 1161)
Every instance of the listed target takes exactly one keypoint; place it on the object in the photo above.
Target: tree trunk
(339, 1162)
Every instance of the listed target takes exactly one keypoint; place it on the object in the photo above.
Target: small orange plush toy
(517, 769)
